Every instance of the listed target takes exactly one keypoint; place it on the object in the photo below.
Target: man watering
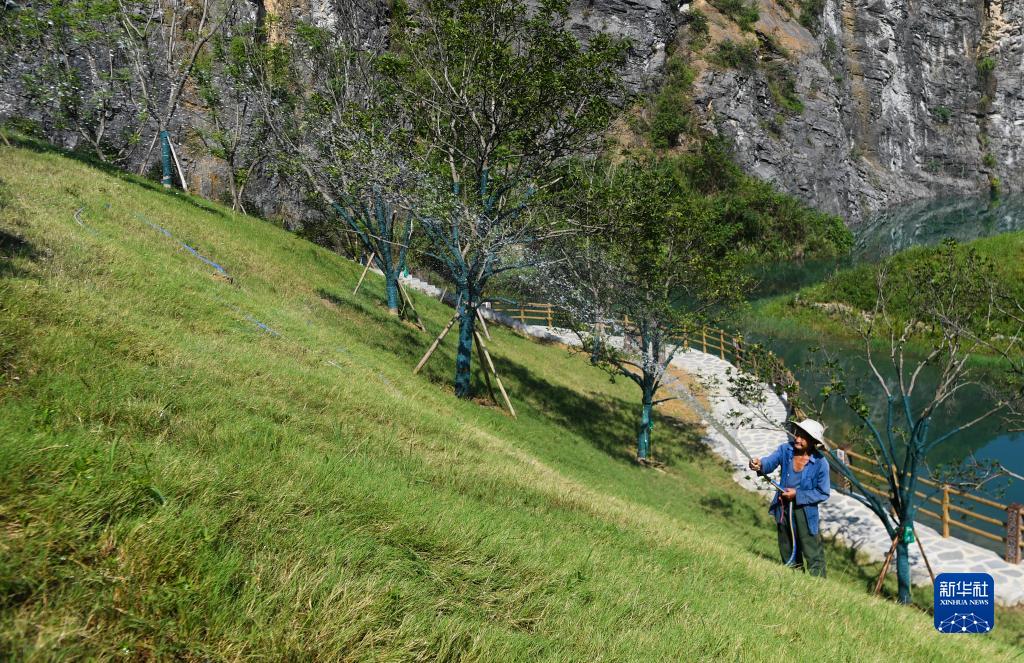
(804, 480)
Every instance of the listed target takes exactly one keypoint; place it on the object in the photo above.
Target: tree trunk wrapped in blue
(643, 439)
(384, 233)
(165, 159)
(471, 243)
(464, 354)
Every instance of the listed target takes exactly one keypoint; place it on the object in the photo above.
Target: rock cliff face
(897, 99)
(649, 25)
(902, 100)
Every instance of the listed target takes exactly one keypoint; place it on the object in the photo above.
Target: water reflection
(924, 223)
(930, 222)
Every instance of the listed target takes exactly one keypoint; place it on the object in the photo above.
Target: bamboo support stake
(181, 173)
(365, 269)
(483, 324)
(490, 364)
(483, 369)
(885, 566)
(437, 342)
(408, 301)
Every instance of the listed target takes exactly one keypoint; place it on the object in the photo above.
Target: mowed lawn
(198, 467)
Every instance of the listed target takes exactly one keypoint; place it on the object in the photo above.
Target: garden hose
(692, 400)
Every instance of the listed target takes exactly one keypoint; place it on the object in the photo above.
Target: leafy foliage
(741, 55)
(697, 22)
(231, 124)
(942, 114)
(743, 12)
(66, 59)
(772, 224)
(856, 287)
(340, 133)
(659, 262)
(671, 111)
(810, 14)
(986, 65)
(782, 86)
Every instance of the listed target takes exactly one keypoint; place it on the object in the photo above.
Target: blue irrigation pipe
(188, 248)
(265, 327)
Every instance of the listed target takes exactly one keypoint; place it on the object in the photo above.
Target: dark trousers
(810, 553)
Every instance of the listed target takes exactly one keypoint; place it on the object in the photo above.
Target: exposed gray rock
(896, 106)
(649, 25)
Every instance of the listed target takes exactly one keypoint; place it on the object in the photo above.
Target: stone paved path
(842, 516)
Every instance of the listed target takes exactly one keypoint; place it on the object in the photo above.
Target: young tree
(163, 40)
(337, 130)
(65, 59)
(936, 316)
(499, 95)
(674, 264)
(228, 122)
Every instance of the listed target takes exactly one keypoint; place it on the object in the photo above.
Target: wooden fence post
(845, 460)
(1013, 513)
(550, 323)
(721, 344)
(522, 314)
(704, 340)
(945, 511)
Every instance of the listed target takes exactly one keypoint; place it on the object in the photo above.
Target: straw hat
(813, 429)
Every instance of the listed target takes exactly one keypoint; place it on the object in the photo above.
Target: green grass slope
(180, 483)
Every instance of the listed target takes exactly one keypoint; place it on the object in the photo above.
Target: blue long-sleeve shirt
(812, 485)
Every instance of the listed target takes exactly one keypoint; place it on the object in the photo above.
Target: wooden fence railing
(948, 506)
(951, 507)
(531, 313)
(709, 340)
(716, 342)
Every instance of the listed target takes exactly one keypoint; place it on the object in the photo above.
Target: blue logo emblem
(965, 603)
